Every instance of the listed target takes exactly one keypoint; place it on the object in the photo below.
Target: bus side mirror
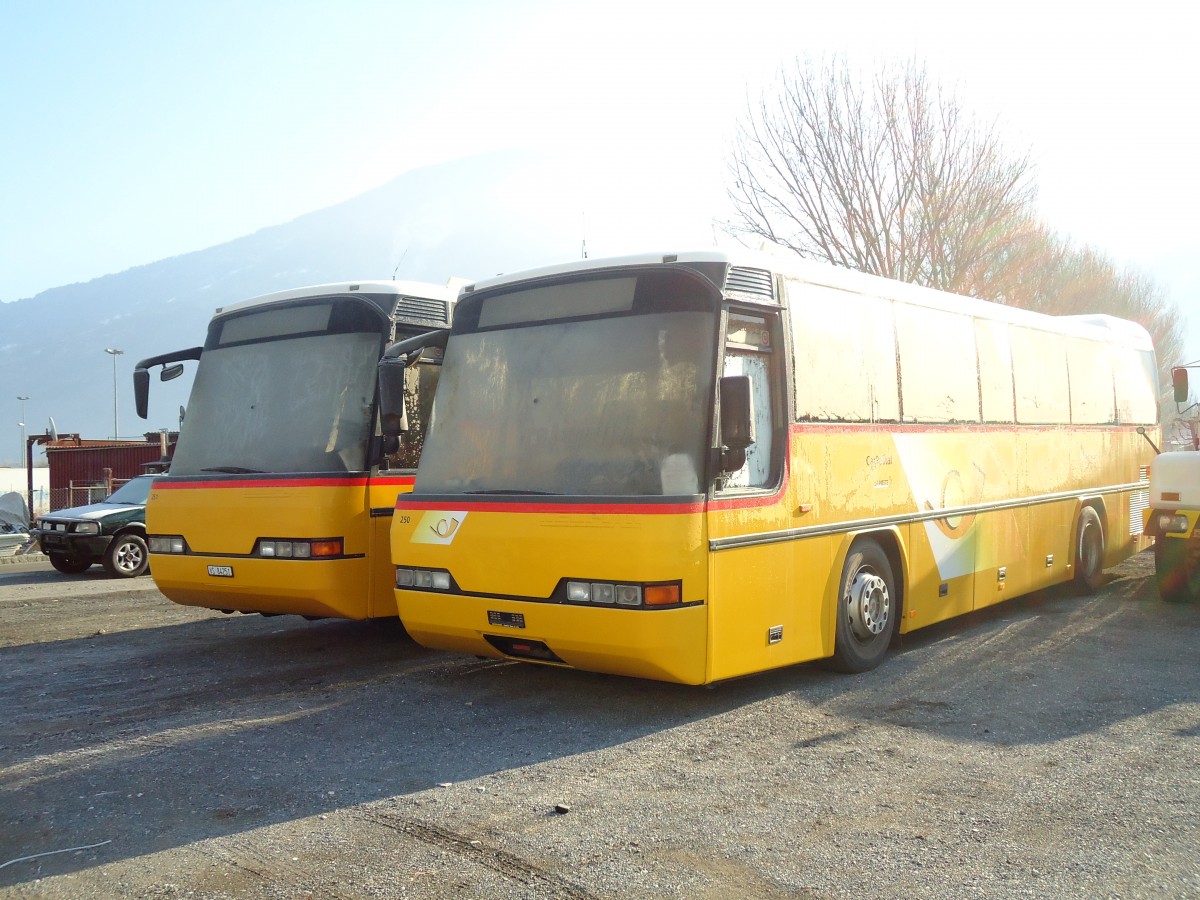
(1179, 381)
(141, 392)
(737, 420)
(393, 415)
(172, 368)
(1142, 431)
(393, 418)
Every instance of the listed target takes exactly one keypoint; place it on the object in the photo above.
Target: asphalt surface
(1043, 748)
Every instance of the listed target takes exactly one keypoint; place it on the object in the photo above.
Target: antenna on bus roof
(398, 264)
(583, 217)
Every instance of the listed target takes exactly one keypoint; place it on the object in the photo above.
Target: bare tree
(1042, 271)
(889, 177)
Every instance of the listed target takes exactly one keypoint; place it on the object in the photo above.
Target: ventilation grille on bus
(1139, 502)
(422, 311)
(757, 284)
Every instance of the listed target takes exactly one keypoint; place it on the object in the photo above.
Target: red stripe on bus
(886, 428)
(755, 502)
(167, 484)
(406, 502)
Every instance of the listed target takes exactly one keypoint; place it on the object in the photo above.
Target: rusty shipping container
(83, 471)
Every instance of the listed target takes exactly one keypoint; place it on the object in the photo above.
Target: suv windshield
(132, 493)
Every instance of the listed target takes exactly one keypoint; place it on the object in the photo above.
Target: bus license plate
(506, 619)
(221, 571)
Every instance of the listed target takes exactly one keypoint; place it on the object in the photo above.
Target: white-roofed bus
(281, 488)
(695, 466)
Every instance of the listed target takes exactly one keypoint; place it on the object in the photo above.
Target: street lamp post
(22, 425)
(114, 353)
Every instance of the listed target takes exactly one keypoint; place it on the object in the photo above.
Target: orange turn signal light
(661, 595)
(326, 548)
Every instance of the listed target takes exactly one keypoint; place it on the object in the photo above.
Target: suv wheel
(126, 556)
(69, 565)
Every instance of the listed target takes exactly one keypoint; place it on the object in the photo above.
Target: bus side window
(757, 470)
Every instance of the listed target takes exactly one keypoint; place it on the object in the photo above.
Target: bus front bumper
(316, 588)
(661, 644)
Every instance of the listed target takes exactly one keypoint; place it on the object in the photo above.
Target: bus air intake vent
(420, 310)
(753, 284)
(1139, 502)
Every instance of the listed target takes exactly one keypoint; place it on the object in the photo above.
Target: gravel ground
(1044, 748)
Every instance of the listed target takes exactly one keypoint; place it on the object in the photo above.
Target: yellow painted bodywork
(222, 520)
(1013, 499)
(525, 554)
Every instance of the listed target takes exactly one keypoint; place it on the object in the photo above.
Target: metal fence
(82, 493)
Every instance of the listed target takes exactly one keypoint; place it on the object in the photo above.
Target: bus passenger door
(397, 475)
(755, 619)
(381, 495)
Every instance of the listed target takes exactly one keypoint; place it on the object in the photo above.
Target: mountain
(470, 218)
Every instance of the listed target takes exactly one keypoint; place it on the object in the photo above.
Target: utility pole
(22, 425)
(114, 353)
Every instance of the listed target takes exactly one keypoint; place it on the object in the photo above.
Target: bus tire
(1089, 552)
(868, 610)
(1177, 569)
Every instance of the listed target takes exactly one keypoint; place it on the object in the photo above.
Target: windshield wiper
(234, 470)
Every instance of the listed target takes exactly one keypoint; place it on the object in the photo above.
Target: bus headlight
(629, 595)
(608, 593)
(423, 579)
(298, 549)
(166, 543)
(1170, 523)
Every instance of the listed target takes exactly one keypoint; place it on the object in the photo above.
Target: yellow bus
(281, 488)
(695, 466)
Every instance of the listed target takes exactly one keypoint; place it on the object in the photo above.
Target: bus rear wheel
(868, 610)
(1177, 569)
(1089, 552)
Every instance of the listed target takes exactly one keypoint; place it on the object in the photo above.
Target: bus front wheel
(1177, 569)
(1089, 552)
(868, 610)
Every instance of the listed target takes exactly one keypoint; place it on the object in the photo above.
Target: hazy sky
(133, 131)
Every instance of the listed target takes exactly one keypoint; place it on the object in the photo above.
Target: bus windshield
(283, 391)
(614, 405)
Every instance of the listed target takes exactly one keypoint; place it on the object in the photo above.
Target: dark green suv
(111, 532)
